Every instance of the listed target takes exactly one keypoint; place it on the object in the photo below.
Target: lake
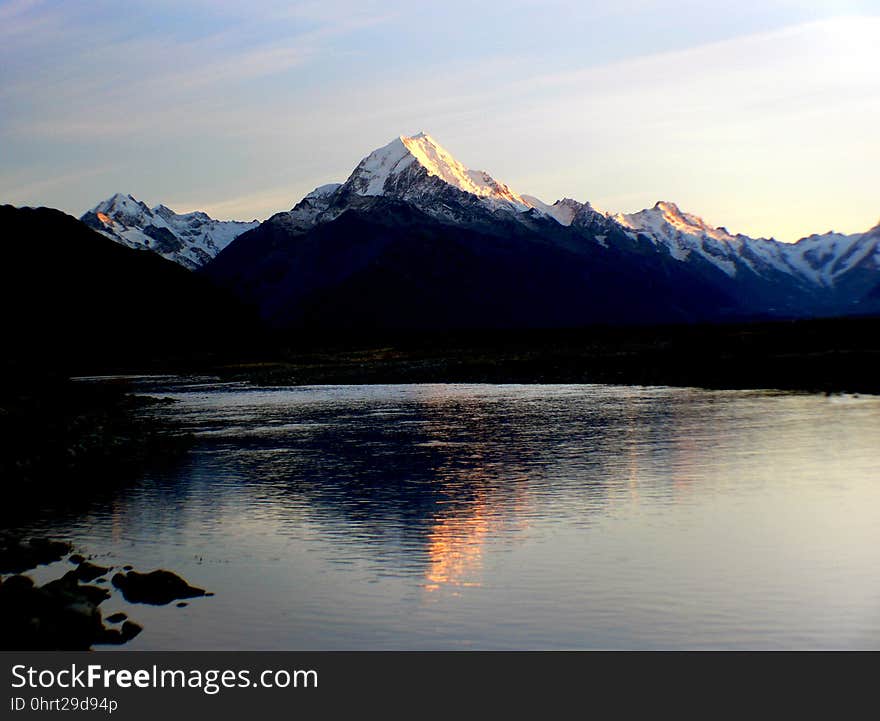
(502, 517)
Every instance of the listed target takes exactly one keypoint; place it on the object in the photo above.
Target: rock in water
(89, 571)
(59, 616)
(117, 637)
(17, 556)
(17, 583)
(130, 630)
(157, 588)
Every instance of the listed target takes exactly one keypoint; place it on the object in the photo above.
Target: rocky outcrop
(157, 588)
(64, 614)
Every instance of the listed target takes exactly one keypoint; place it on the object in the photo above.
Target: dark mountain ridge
(387, 264)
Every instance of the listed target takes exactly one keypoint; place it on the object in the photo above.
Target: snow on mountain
(190, 239)
(819, 260)
(324, 191)
(686, 235)
(562, 211)
(305, 214)
(389, 171)
(418, 170)
(833, 255)
(665, 219)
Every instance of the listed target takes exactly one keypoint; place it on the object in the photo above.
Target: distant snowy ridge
(818, 260)
(190, 239)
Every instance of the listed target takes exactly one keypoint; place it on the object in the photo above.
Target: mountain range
(415, 239)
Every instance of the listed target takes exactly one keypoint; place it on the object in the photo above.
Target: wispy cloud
(260, 204)
(124, 83)
(21, 189)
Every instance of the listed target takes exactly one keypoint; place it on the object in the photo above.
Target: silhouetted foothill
(156, 588)
(74, 297)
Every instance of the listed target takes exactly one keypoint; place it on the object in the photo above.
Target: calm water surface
(504, 517)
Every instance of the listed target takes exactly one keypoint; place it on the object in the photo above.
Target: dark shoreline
(66, 443)
(835, 355)
(829, 356)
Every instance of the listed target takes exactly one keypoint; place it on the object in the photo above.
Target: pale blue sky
(762, 116)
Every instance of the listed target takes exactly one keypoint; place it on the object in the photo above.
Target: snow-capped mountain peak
(439, 162)
(190, 239)
(122, 208)
(119, 200)
(420, 171)
(394, 169)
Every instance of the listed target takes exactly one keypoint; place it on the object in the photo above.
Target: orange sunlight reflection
(457, 541)
(455, 548)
